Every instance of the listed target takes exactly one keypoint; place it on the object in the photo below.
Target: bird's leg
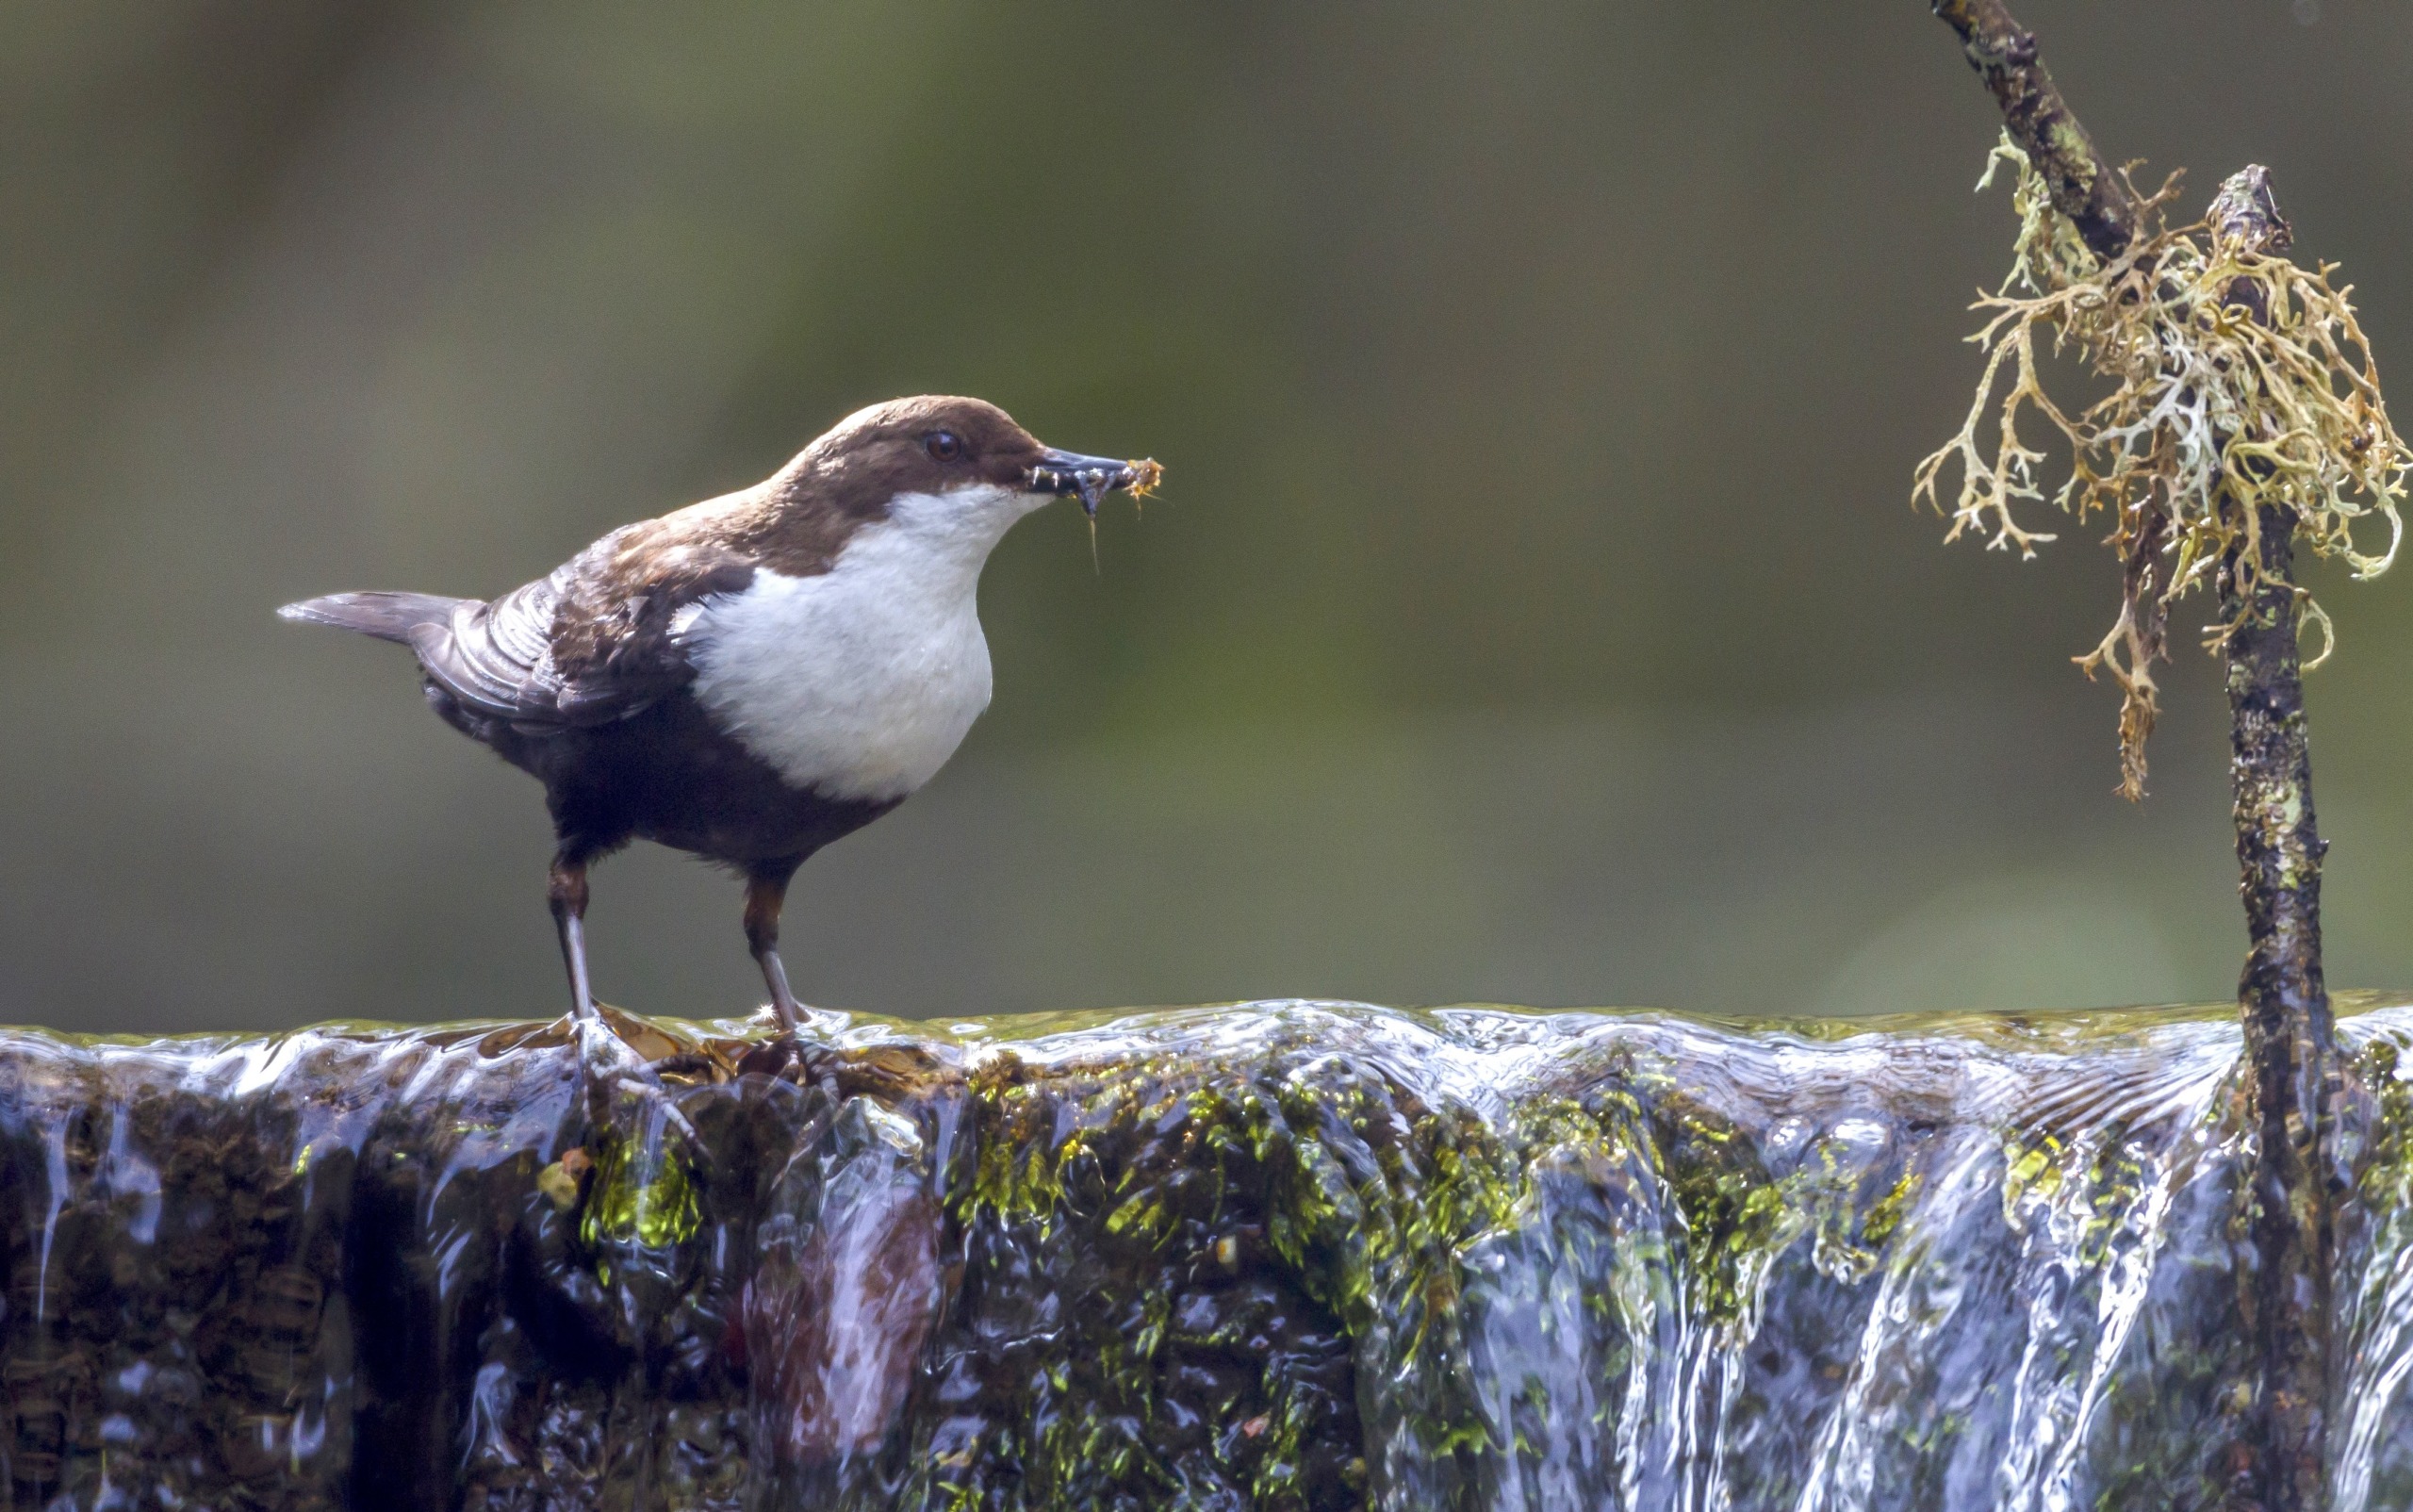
(766, 889)
(567, 891)
(607, 1067)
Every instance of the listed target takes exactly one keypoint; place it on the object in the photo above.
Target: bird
(755, 676)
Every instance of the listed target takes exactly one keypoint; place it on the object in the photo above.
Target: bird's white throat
(860, 683)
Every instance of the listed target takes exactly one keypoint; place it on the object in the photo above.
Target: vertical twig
(2289, 1038)
(2289, 1042)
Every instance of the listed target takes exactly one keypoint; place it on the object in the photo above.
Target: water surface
(1283, 1255)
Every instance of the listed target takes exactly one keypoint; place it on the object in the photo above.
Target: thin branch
(2290, 1039)
(2085, 187)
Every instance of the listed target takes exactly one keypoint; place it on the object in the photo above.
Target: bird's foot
(616, 1052)
(768, 1058)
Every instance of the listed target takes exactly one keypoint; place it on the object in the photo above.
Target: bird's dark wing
(592, 643)
(495, 659)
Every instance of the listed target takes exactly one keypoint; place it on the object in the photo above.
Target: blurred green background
(1534, 610)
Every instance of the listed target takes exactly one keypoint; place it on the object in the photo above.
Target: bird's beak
(1091, 478)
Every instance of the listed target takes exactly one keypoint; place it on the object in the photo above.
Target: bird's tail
(387, 615)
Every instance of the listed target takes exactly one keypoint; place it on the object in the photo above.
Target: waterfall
(1286, 1255)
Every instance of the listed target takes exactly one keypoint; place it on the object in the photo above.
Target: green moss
(642, 1193)
(1131, 1204)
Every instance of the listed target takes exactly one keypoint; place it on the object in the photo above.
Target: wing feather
(590, 644)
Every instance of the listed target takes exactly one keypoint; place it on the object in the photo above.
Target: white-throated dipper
(749, 677)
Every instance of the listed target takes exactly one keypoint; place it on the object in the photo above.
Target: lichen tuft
(2240, 383)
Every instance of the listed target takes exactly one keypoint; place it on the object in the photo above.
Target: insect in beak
(1091, 478)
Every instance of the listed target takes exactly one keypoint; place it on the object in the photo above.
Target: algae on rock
(1287, 1256)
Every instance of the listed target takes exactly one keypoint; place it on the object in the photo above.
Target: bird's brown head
(944, 446)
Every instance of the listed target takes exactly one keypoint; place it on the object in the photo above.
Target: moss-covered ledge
(1277, 1256)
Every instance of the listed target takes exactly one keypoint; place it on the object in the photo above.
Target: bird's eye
(942, 445)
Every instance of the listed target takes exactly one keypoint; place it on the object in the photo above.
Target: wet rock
(1279, 1258)
(845, 1289)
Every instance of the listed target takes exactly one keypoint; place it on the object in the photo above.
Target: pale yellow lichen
(2240, 381)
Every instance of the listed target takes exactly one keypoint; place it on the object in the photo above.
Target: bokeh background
(1534, 612)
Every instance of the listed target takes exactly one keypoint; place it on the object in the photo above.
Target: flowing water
(1281, 1255)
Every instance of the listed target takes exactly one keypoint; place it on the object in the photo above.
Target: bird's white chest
(858, 683)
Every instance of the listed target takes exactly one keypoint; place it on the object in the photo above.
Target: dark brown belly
(666, 774)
